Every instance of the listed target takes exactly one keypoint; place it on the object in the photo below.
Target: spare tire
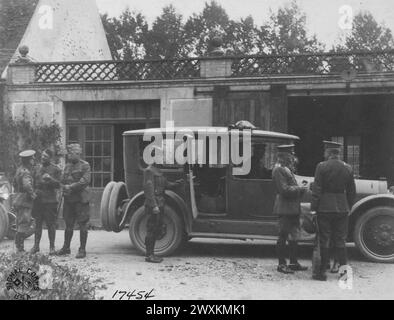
(116, 201)
(104, 206)
(4, 222)
(12, 225)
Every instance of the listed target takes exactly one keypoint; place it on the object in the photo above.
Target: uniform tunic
(155, 185)
(76, 201)
(333, 195)
(45, 207)
(23, 202)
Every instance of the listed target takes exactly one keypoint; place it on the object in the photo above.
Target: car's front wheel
(374, 234)
(171, 237)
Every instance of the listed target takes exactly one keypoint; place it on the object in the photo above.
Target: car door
(252, 196)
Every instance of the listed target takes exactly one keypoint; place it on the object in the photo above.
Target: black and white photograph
(206, 151)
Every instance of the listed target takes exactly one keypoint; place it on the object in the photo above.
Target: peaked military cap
(27, 153)
(74, 148)
(331, 145)
(286, 148)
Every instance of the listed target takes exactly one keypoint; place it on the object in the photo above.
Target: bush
(67, 282)
(22, 134)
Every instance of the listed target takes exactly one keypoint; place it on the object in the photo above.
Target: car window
(263, 158)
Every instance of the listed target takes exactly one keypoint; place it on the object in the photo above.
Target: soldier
(76, 179)
(47, 181)
(155, 185)
(25, 196)
(332, 196)
(287, 206)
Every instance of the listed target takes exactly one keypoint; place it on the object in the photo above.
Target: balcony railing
(241, 66)
(313, 64)
(118, 70)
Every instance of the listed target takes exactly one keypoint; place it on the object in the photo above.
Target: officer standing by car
(155, 185)
(75, 182)
(25, 196)
(47, 181)
(287, 206)
(333, 195)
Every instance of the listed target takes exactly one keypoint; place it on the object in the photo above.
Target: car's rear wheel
(171, 238)
(4, 222)
(374, 234)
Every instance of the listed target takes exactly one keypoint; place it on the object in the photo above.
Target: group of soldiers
(41, 187)
(333, 194)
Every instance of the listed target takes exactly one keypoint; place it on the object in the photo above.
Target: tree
(200, 28)
(287, 32)
(166, 39)
(126, 35)
(367, 35)
(245, 36)
(14, 18)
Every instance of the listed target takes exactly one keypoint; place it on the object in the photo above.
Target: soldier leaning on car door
(25, 195)
(288, 207)
(155, 185)
(333, 195)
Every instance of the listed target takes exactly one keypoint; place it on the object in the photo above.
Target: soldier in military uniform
(333, 195)
(75, 181)
(47, 181)
(25, 195)
(155, 185)
(288, 207)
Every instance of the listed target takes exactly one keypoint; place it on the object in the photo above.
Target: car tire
(374, 234)
(4, 222)
(12, 226)
(115, 214)
(104, 205)
(169, 243)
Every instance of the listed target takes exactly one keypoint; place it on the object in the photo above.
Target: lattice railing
(118, 70)
(242, 66)
(322, 63)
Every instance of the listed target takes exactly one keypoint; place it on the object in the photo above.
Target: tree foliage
(166, 39)
(14, 17)
(126, 35)
(367, 35)
(22, 134)
(170, 37)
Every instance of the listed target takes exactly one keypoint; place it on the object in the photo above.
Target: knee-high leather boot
(83, 238)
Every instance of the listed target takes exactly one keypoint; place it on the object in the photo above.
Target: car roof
(255, 132)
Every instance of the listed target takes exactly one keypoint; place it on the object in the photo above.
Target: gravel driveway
(215, 269)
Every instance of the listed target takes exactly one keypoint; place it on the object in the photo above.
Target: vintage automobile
(7, 213)
(214, 202)
(6, 216)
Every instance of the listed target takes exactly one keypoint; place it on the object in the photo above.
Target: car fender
(171, 198)
(370, 201)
